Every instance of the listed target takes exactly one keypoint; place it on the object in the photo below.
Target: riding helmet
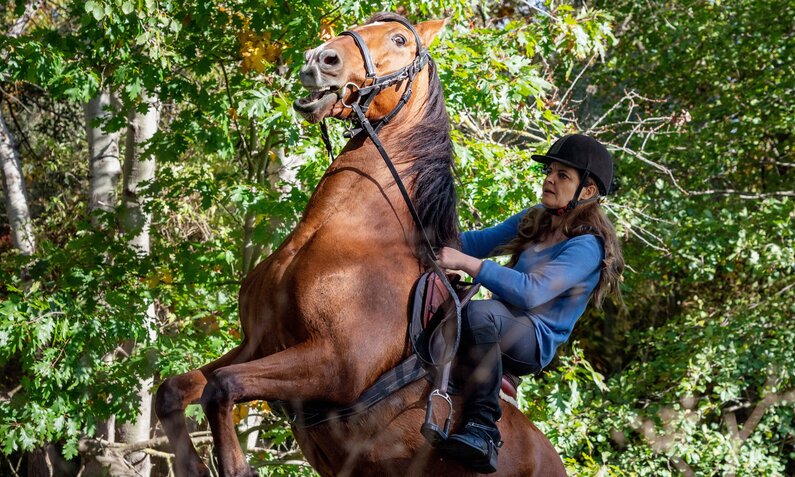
(585, 154)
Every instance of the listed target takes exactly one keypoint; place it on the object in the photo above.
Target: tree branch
(18, 26)
(743, 195)
(657, 166)
(96, 446)
(565, 96)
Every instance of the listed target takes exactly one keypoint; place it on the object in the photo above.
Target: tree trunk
(15, 192)
(135, 222)
(104, 170)
(20, 23)
(10, 166)
(103, 154)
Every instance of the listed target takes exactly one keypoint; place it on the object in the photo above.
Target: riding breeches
(492, 336)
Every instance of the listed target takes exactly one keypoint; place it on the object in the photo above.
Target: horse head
(337, 71)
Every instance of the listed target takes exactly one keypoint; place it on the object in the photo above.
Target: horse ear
(428, 30)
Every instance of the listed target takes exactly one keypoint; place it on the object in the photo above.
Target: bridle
(365, 94)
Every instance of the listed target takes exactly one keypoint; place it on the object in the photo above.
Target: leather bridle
(366, 93)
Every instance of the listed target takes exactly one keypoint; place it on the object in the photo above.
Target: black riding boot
(477, 443)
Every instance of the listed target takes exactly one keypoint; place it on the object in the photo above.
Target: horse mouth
(317, 104)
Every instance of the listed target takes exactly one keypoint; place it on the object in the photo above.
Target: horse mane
(434, 195)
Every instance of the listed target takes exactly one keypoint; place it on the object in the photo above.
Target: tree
(13, 179)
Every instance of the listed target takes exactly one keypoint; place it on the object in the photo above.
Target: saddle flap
(435, 295)
(510, 383)
(432, 331)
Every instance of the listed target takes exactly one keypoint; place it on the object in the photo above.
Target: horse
(326, 314)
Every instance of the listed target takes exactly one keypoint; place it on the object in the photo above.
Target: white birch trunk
(135, 222)
(103, 155)
(104, 170)
(15, 193)
(10, 166)
(20, 23)
(137, 170)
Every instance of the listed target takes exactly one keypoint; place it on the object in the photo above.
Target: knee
(168, 398)
(220, 391)
(478, 321)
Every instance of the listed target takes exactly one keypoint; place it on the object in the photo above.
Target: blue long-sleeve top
(551, 286)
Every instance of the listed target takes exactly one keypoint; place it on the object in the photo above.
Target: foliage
(699, 365)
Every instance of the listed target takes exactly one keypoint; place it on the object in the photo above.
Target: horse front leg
(173, 396)
(304, 372)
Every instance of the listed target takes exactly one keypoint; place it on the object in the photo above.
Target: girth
(306, 415)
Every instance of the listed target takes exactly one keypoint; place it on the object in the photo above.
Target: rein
(366, 93)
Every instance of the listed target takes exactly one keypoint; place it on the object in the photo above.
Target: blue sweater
(551, 286)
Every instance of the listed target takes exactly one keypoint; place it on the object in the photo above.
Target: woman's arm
(452, 259)
(529, 289)
(481, 243)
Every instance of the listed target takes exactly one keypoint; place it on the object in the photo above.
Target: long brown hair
(536, 226)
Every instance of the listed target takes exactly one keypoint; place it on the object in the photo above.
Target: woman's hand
(453, 259)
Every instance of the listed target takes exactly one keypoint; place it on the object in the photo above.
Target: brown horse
(326, 314)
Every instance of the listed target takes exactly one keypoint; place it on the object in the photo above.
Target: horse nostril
(329, 58)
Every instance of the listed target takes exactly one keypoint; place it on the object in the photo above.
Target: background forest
(151, 157)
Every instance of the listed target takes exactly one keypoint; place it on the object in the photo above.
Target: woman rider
(563, 251)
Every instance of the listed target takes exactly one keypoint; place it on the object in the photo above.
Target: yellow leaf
(326, 31)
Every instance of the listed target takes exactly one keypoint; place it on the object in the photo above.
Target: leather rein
(366, 93)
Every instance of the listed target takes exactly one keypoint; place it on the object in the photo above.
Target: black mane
(431, 173)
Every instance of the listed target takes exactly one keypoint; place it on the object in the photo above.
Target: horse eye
(399, 40)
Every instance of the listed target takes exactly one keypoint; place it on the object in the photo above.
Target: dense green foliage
(692, 376)
(699, 367)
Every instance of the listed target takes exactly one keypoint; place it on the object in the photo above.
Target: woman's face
(561, 184)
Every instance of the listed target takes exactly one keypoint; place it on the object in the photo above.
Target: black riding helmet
(589, 157)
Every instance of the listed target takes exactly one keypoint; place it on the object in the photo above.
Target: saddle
(431, 304)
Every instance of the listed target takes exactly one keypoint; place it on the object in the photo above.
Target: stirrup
(430, 430)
